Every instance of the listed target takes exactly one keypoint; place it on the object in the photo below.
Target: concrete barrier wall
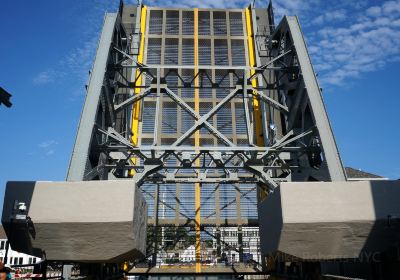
(90, 221)
(331, 220)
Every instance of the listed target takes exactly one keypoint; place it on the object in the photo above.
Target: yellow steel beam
(252, 61)
(197, 142)
(256, 105)
(138, 82)
(256, 102)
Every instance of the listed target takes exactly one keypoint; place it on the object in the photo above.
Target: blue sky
(47, 48)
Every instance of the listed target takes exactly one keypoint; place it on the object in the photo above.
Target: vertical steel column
(138, 82)
(217, 205)
(252, 61)
(240, 242)
(155, 230)
(197, 141)
(258, 119)
(79, 162)
(332, 156)
(218, 240)
(158, 113)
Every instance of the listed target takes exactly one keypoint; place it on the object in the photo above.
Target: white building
(230, 243)
(188, 255)
(14, 257)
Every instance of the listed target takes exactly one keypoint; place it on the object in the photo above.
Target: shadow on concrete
(379, 258)
(19, 230)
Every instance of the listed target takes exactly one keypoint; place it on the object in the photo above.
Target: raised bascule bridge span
(203, 150)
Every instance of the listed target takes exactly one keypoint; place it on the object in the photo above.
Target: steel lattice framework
(200, 99)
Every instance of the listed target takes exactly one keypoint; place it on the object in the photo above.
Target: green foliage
(174, 237)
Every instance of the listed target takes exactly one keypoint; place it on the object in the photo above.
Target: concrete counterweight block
(330, 220)
(90, 221)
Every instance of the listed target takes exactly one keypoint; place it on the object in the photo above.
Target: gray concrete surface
(91, 221)
(321, 220)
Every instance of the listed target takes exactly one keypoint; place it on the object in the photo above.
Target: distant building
(189, 254)
(230, 243)
(14, 257)
(359, 175)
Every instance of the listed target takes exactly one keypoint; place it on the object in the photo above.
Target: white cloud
(43, 77)
(336, 15)
(48, 143)
(78, 61)
(50, 152)
(347, 47)
(48, 147)
(391, 7)
(292, 7)
(347, 38)
(318, 20)
(374, 11)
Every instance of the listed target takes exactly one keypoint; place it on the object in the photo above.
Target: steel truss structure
(197, 98)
